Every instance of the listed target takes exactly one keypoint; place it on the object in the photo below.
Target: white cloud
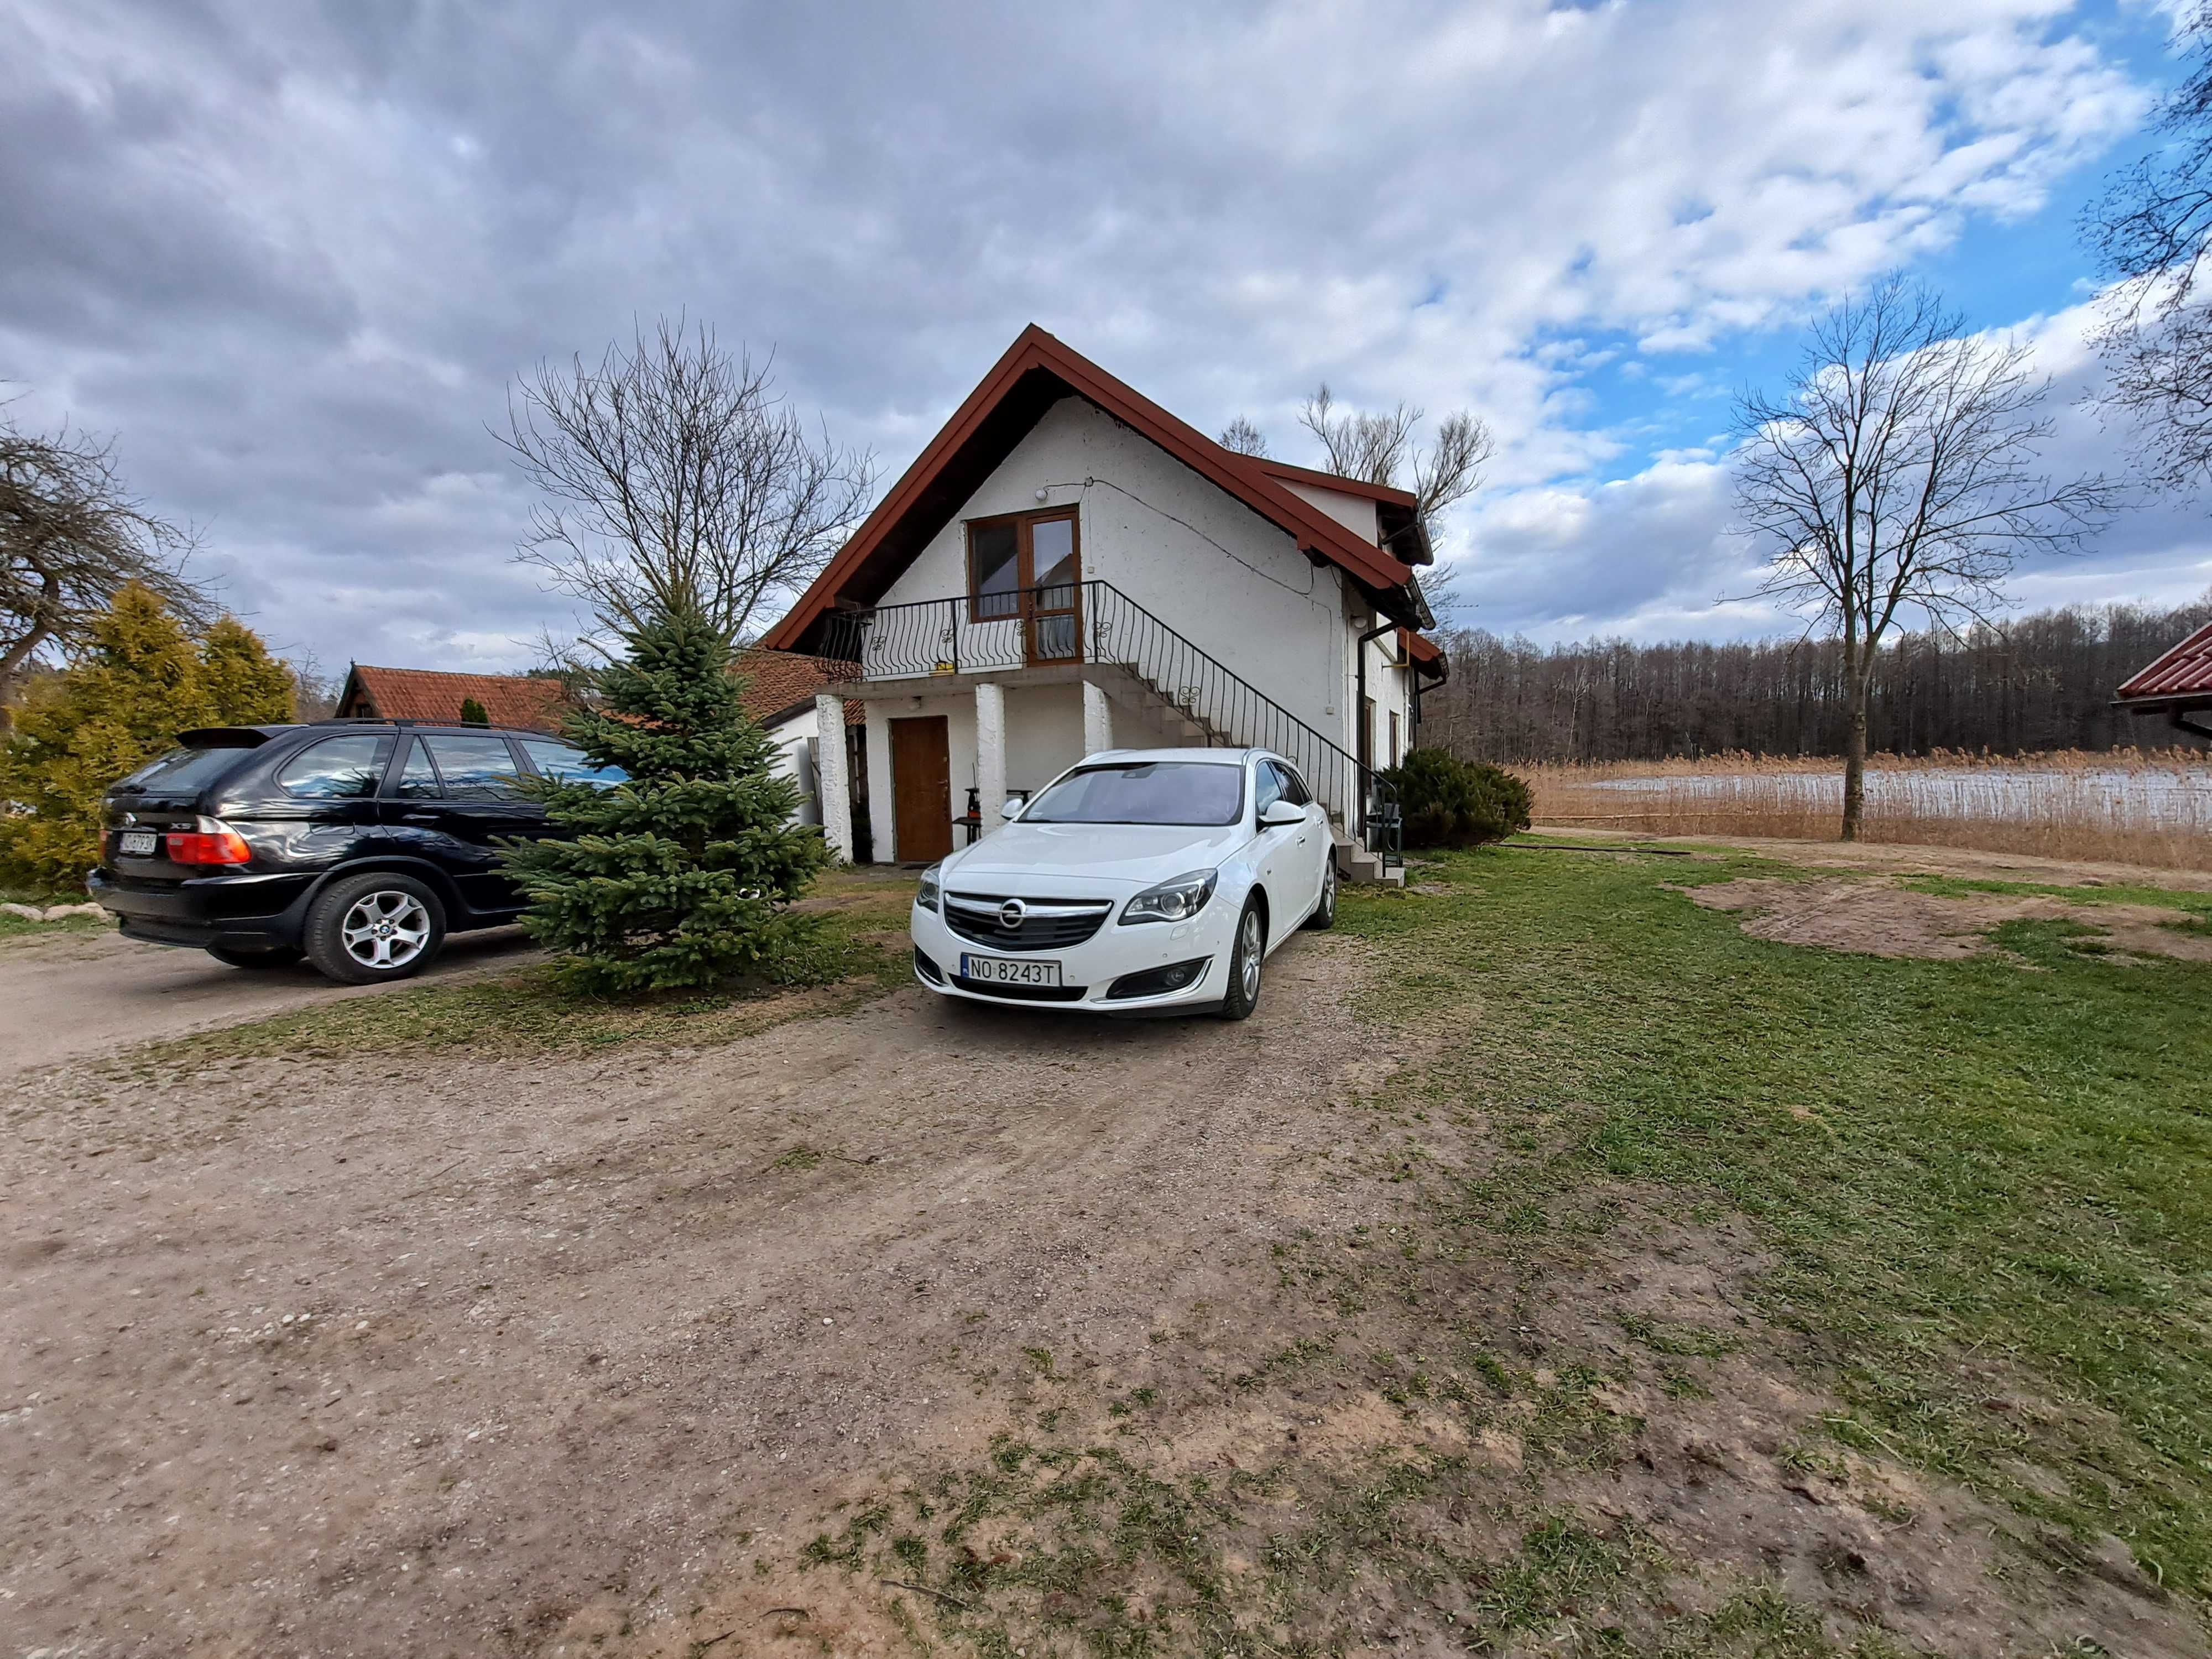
(292, 257)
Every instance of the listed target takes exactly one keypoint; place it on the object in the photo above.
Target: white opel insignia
(1136, 881)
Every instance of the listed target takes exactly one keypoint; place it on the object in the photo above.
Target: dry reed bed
(2131, 806)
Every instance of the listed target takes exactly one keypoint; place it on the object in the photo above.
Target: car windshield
(183, 769)
(1143, 792)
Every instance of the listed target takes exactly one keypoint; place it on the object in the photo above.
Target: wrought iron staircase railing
(1093, 624)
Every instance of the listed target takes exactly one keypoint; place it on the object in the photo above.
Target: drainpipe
(1359, 715)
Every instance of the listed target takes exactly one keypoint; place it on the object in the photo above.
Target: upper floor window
(1020, 552)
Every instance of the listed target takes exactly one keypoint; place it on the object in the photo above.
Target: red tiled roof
(1036, 373)
(424, 694)
(1425, 653)
(1336, 480)
(778, 682)
(2184, 671)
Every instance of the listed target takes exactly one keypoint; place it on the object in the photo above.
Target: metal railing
(1094, 624)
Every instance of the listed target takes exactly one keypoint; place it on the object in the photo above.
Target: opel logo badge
(1011, 914)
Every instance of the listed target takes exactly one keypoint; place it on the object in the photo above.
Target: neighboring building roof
(2182, 676)
(1036, 373)
(1427, 656)
(423, 694)
(781, 683)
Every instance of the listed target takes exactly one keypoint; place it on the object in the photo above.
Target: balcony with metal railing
(1094, 631)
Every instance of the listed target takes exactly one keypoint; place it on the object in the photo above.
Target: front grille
(983, 988)
(1048, 925)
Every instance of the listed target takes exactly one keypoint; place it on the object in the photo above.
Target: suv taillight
(209, 841)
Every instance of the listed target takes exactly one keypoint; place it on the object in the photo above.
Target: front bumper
(253, 911)
(1090, 969)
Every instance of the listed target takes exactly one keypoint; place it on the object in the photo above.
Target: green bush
(1448, 802)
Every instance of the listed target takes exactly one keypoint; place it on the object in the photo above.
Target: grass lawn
(1971, 1202)
(1986, 1184)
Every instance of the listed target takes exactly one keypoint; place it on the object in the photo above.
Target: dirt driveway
(83, 993)
(378, 1358)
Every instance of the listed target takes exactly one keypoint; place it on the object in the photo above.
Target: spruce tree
(143, 680)
(472, 713)
(680, 877)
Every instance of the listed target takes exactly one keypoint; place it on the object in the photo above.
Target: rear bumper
(247, 910)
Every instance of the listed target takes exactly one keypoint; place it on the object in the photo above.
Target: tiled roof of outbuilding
(2184, 671)
(426, 694)
(779, 681)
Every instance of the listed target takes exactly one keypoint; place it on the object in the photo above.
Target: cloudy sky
(294, 256)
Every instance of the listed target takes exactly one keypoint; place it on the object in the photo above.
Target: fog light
(928, 970)
(1158, 981)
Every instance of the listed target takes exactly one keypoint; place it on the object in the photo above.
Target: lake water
(2177, 796)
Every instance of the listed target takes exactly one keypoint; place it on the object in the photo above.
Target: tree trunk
(1854, 752)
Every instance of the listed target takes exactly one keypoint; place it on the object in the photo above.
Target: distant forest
(2036, 682)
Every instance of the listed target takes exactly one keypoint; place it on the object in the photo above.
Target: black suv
(359, 844)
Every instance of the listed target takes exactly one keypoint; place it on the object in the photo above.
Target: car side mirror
(1011, 808)
(1280, 814)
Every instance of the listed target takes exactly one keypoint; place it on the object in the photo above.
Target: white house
(1066, 568)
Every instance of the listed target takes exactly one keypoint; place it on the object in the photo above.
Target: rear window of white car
(1147, 792)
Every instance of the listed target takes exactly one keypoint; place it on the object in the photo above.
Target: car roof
(1203, 757)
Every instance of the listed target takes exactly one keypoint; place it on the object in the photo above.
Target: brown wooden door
(1052, 580)
(921, 788)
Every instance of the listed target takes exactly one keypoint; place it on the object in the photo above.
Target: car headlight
(1173, 901)
(927, 897)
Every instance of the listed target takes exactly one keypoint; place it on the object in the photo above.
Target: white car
(1138, 881)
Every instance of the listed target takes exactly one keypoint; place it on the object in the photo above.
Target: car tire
(1324, 912)
(252, 956)
(1248, 959)
(379, 925)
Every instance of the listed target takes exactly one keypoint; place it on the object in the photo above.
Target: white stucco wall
(1224, 578)
(793, 741)
(1389, 686)
(1044, 733)
(1355, 513)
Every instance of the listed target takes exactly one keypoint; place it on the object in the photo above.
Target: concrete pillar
(832, 784)
(881, 819)
(991, 751)
(1097, 719)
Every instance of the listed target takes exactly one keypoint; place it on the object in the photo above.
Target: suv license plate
(998, 970)
(137, 843)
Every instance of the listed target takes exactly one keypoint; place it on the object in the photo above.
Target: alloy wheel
(386, 929)
(1248, 955)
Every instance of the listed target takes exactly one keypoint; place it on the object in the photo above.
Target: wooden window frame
(1025, 553)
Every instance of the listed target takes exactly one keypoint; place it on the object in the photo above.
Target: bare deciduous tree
(1244, 438)
(1381, 449)
(2152, 230)
(70, 537)
(1897, 474)
(677, 479)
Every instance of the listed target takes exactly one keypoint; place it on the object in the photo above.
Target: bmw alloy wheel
(386, 929)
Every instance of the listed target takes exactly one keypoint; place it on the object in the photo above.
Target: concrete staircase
(1172, 723)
